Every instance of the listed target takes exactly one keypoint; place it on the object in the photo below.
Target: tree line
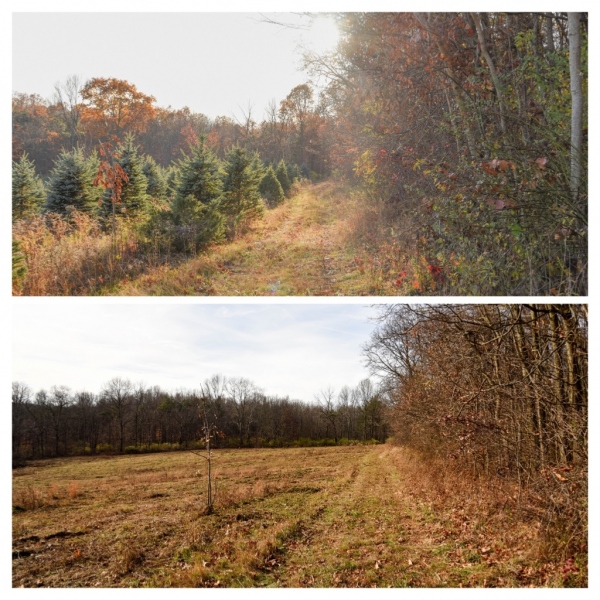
(498, 391)
(126, 418)
(85, 114)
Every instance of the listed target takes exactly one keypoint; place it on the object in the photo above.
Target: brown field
(353, 516)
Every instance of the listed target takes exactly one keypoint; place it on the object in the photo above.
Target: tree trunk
(576, 102)
(490, 63)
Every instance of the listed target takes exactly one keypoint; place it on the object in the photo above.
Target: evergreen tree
(271, 189)
(72, 183)
(157, 182)
(198, 176)
(197, 200)
(242, 201)
(133, 200)
(28, 192)
(283, 177)
(172, 180)
(294, 173)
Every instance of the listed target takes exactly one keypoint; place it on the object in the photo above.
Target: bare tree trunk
(549, 33)
(490, 63)
(576, 102)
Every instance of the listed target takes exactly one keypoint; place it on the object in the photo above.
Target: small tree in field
(271, 189)
(209, 433)
(132, 197)
(283, 177)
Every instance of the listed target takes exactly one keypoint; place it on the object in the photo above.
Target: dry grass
(73, 256)
(320, 517)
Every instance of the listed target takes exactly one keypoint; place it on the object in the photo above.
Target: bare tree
(243, 394)
(67, 97)
(326, 401)
(118, 394)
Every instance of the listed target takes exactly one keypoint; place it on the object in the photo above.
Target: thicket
(498, 393)
(471, 130)
(128, 418)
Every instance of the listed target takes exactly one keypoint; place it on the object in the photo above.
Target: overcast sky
(215, 63)
(289, 349)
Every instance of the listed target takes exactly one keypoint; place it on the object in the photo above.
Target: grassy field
(354, 516)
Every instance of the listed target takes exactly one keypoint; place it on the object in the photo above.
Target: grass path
(377, 534)
(303, 247)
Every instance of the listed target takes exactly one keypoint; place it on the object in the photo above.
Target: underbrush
(491, 517)
(73, 255)
(493, 228)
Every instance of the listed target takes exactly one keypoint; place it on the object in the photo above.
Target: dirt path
(303, 247)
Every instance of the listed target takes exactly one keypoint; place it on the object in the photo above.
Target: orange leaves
(495, 166)
(110, 176)
(113, 105)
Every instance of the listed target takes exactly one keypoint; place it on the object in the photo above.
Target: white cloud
(293, 350)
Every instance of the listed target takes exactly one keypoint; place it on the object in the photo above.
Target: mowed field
(352, 516)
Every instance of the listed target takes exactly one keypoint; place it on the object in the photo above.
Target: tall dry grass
(73, 255)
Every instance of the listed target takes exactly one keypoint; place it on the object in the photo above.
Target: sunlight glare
(323, 34)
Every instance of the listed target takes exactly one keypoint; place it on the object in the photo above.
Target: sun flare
(323, 35)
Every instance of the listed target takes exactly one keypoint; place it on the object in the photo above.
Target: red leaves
(541, 162)
(434, 270)
(401, 278)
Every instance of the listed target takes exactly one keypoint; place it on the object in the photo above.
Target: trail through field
(306, 246)
(301, 517)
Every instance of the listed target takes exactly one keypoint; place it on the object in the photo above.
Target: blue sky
(286, 349)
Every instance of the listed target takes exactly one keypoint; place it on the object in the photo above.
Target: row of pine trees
(198, 197)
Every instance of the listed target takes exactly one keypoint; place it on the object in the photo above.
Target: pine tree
(172, 179)
(283, 177)
(242, 201)
(197, 199)
(271, 189)
(294, 173)
(28, 192)
(157, 182)
(72, 183)
(199, 176)
(133, 201)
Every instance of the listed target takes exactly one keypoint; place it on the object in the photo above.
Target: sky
(293, 350)
(214, 63)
